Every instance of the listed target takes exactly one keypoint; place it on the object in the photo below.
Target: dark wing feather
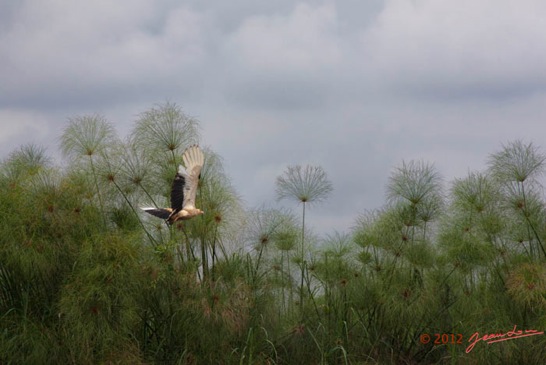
(177, 191)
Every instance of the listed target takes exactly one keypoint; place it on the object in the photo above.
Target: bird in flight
(184, 189)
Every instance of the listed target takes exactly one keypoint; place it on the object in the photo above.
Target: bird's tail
(158, 212)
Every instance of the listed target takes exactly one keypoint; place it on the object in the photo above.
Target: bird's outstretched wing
(193, 159)
(163, 213)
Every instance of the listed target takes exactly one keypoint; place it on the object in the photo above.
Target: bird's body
(184, 189)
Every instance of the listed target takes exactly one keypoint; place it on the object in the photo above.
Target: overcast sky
(353, 86)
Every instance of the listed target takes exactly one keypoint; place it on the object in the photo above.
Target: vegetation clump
(86, 278)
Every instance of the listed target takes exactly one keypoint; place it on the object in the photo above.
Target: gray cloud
(352, 86)
(97, 53)
(472, 49)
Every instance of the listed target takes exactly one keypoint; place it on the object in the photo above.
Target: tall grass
(85, 278)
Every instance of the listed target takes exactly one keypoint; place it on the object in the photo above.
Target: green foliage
(86, 278)
(306, 185)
